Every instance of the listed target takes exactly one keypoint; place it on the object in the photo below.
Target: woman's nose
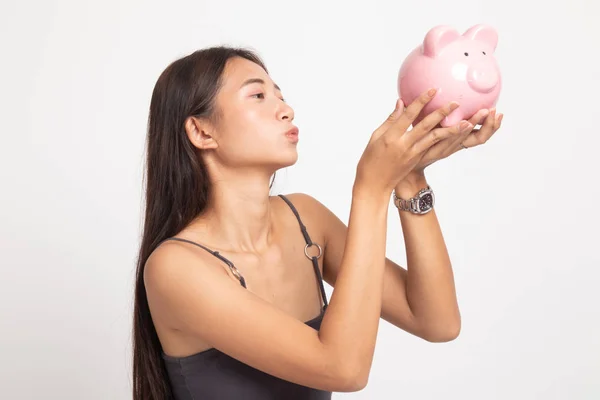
(286, 112)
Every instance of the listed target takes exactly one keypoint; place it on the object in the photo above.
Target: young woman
(229, 300)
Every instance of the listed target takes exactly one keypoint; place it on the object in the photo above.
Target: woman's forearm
(350, 325)
(430, 287)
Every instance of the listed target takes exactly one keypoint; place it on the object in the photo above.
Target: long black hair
(177, 187)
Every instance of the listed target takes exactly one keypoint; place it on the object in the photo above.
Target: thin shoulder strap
(232, 267)
(309, 243)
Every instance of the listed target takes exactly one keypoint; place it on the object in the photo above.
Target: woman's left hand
(490, 122)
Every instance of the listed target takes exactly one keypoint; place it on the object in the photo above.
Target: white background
(519, 214)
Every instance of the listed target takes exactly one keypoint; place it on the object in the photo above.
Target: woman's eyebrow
(257, 80)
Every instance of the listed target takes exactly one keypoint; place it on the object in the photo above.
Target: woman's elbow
(447, 334)
(353, 380)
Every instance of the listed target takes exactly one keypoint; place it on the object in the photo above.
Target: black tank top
(212, 374)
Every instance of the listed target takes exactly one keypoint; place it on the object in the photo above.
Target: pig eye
(466, 54)
(483, 53)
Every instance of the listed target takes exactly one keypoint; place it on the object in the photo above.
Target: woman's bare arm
(202, 300)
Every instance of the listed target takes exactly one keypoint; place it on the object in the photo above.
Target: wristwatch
(422, 203)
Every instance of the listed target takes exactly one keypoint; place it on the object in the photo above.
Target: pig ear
(437, 38)
(483, 33)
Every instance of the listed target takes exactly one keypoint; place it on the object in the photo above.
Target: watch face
(426, 202)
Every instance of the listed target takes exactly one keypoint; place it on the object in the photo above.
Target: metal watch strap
(404, 205)
(409, 204)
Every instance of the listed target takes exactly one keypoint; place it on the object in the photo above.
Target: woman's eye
(262, 96)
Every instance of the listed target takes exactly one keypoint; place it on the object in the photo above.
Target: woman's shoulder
(309, 209)
(308, 203)
(315, 215)
(173, 257)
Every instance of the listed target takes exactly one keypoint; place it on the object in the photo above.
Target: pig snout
(483, 77)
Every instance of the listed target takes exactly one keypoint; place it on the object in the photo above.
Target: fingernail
(484, 115)
(454, 105)
(500, 117)
(464, 127)
(432, 92)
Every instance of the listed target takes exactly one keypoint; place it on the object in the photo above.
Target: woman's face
(254, 119)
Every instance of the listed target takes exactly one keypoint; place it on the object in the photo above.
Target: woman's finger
(498, 121)
(430, 122)
(404, 121)
(398, 110)
(483, 134)
(476, 119)
(450, 145)
(437, 135)
(479, 117)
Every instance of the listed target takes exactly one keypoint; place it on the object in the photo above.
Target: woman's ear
(200, 133)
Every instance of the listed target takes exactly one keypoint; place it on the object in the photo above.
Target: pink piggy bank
(462, 67)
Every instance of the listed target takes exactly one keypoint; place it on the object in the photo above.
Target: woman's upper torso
(212, 374)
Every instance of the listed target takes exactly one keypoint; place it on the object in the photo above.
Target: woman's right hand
(393, 150)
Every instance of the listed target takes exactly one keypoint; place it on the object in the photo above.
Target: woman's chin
(288, 158)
